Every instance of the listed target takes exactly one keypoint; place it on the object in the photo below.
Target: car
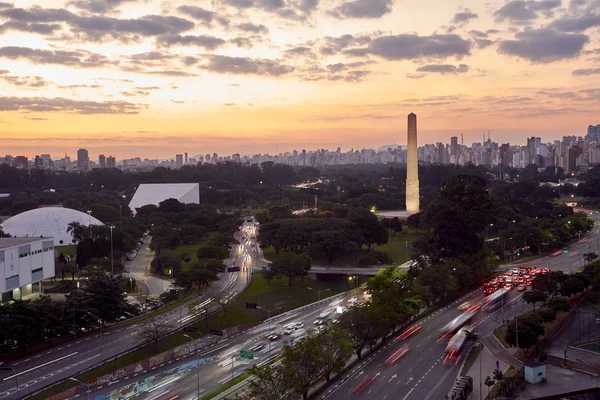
(508, 286)
(353, 300)
(288, 331)
(515, 270)
(274, 336)
(520, 288)
(466, 304)
(297, 325)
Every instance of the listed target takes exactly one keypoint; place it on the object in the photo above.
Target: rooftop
(15, 241)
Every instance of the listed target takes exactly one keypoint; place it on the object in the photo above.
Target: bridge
(339, 270)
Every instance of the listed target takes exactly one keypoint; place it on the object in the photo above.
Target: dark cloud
(98, 6)
(586, 72)
(58, 104)
(482, 43)
(525, 11)
(338, 67)
(407, 46)
(464, 16)
(4, 5)
(253, 28)
(75, 58)
(362, 9)
(245, 66)
(544, 45)
(203, 41)
(40, 29)
(26, 81)
(478, 34)
(297, 10)
(242, 42)
(300, 51)
(206, 17)
(444, 68)
(96, 28)
(333, 45)
(576, 24)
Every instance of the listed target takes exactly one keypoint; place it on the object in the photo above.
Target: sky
(154, 78)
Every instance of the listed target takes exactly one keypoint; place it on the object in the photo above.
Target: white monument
(412, 167)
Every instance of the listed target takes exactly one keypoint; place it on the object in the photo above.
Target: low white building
(155, 193)
(23, 263)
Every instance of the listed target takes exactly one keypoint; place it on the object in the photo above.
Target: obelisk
(412, 167)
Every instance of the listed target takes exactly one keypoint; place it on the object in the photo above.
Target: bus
(455, 325)
(456, 344)
(495, 300)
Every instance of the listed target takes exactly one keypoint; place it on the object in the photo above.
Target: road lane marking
(408, 394)
(39, 366)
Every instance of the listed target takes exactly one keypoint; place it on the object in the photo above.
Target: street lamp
(10, 368)
(269, 319)
(318, 291)
(89, 213)
(85, 384)
(112, 265)
(504, 248)
(197, 364)
(101, 335)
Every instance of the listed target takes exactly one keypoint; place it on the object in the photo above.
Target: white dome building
(48, 222)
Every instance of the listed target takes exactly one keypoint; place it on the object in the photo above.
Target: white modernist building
(48, 222)
(154, 193)
(24, 262)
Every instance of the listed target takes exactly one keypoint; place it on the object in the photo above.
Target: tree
(269, 383)
(357, 321)
(571, 286)
(198, 277)
(372, 231)
(291, 266)
(547, 314)
(106, 296)
(333, 349)
(396, 225)
(300, 367)
(489, 382)
(560, 304)
(331, 244)
(212, 253)
(589, 257)
(534, 296)
(530, 329)
(153, 330)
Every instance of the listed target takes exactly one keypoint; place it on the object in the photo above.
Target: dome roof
(47, 222)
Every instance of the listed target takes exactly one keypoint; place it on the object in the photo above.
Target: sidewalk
(484, 366)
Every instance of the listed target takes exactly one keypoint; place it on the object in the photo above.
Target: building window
(23, 255)
(48, 248)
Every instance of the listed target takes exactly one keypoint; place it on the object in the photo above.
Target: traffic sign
(248, 355)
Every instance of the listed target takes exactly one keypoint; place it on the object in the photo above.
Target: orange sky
(154, 78)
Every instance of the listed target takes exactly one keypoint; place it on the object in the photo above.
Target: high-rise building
(412, 167)
(21, 162)
(111, 162)
(178, 160)
(185, 161)
(453, 145)
(101, 161)
(83, 159)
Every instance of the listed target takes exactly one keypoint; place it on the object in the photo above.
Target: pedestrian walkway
(484, 366)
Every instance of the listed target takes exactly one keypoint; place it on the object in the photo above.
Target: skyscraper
(453, 145)
(111, 162)
(185, 159)
(178, 160)
(412, 167)
(102, 161)
(83, 159)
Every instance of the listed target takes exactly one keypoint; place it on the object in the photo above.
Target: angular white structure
(412, 167)
(47, 222)
(154, 193)
(24, 262)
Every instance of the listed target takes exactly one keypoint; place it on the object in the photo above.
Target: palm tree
(77, 230)
(473, 337)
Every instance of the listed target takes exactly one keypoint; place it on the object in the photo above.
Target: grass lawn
(69, 249)
(191, 250)
(473, 354)
(591, 346)
(398, 247)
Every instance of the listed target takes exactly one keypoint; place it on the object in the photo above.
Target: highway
(57, 364)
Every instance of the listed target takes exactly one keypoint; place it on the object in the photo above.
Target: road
(138, 269)
(60, 363)
(420, 372)
(218, 370)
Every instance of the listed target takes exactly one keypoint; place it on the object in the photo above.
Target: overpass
(339, 270)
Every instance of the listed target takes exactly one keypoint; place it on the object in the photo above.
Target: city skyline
(130, 76)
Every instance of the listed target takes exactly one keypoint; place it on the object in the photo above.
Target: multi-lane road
(57, 364)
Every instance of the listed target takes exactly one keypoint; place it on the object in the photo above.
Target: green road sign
(248, 355)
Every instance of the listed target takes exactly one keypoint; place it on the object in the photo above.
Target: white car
(353, 300)
(288, 331)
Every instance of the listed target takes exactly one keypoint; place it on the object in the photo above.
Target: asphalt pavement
(57, 364)
(139, 269)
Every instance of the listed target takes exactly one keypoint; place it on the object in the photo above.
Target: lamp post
(84, 384)
(318, 291)
(504, 248)
(89, 213)
(10, 368)
(197, 365)
(269, 319)
(101, 335)
(112, 265)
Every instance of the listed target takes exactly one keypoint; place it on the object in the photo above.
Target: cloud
(4, 5)
(586, 72)
(482, 43)
(41, 29)
(75, 58)
(37, 119)
(206, 17)
(203, 41)
(229, 104)
(444, 68)
(245, 66)
(463, 17)
(59, 104)
(478, 34)
(525, 11)
(177, 101)
(333, 45)
(410, 46)
(544, 45)
(72, 87)
(576, 24)
(26, 81)
(253, 28)
(97, 6)
(336, 72)
(338, 67)
(362, 9)
(297, 10)
(300, 51)
(242, 42)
